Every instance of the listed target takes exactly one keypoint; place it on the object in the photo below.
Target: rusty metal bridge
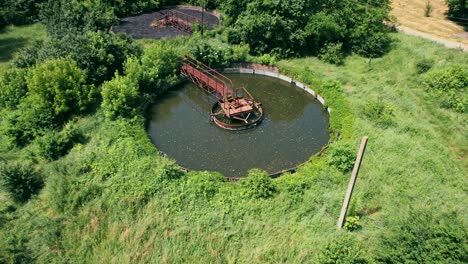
(235, 107)
(178, 20)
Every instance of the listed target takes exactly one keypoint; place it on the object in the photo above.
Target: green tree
(133, 7)
(120, 97)
(286, 28)
(31, 119)
(100, 53)
(332, 53)
(157, 69)
(12, 87)
(458, 8)
(64, 17)
(270, 25)
(19, 12)
(61, 85)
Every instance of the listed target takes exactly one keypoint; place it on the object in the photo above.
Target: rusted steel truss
(178, 20)
(235, 103)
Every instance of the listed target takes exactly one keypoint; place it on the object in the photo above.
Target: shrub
(20, 180)
(342, 156)
(332, 53)
(133, 7)
(424, 65)
(342, 250)
(240, 53)
(428, 9)
(63, 17)
(61, 85)
(157, 69)
(373, 45)
(12, 87)
(57, 144)
(380, 113)
(101, 54)
(215, 57)
(450, 86)
(352, 223)
(205, 184)
(120, 97)
(257, 185)
(266, 59)
(31, 119)
(19, 12)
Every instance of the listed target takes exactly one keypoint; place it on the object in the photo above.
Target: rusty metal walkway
(234, 103)
(178, 20)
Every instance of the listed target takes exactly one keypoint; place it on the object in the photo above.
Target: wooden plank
(352, 182)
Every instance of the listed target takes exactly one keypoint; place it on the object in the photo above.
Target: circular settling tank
(294, 127)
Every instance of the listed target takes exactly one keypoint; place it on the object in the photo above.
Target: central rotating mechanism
(235, 108)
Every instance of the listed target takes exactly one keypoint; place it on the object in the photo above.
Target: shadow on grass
(461, 22)
(8, 46)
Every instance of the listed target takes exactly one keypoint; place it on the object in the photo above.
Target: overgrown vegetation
(458, 8)
(20, 180)
(286, 28)
(449, 86)
(76, 158)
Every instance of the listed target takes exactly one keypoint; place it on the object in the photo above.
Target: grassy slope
(12, 38)
(410, 13)
(419, 161)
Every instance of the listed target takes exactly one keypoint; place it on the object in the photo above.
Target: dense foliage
(145, 78)
(19, 12)
(12, 87)
(449, 86)
(99, 53)
(120, 97)
(55, 91)
(20, 180)
(287, 28)
(54, 144)
(257, 185)
(157, 69)
(342, 156)
(61, 85)
(458, 8)
(63, 17)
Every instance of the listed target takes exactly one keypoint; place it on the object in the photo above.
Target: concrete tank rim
(243, 70)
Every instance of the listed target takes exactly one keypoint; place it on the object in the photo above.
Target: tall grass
(114, 199)
(13, 38)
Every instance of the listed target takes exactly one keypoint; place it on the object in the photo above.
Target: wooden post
(352, 181)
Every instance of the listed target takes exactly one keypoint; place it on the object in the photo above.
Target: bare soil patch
(410, 13)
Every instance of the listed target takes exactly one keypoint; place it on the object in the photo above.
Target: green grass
(114, 199)
(13, 38)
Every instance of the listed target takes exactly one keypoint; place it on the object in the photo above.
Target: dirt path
(440, 40)
(412, 14)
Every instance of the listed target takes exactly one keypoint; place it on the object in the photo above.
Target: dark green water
(294, 128)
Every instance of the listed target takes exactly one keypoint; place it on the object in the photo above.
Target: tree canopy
(298, 26)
